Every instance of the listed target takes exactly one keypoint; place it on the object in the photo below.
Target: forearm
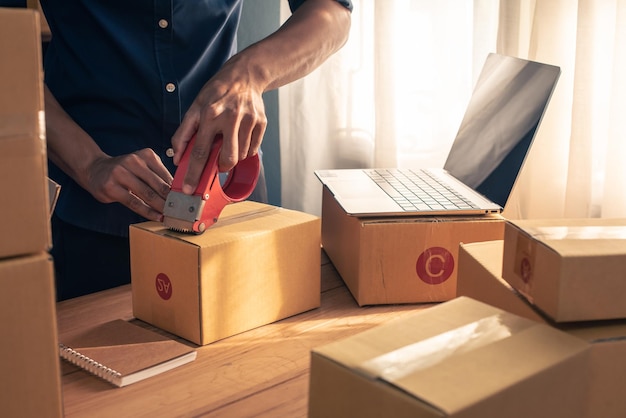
(69, 147)
(138, 180)
(231, 102)
(311, 35)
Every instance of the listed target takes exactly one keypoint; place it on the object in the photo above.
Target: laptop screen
(501, 120)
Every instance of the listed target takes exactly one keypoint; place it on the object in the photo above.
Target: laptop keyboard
(417, 190)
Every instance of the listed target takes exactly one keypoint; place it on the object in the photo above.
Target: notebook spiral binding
(88, 364)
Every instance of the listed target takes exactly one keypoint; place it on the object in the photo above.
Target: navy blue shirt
(126, 72)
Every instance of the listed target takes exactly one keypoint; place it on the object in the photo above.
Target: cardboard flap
(453, 355)
(395, 365)
(482, 374)
(234, 219)
(394, 335)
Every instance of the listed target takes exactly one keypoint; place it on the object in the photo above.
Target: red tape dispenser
(195, 213)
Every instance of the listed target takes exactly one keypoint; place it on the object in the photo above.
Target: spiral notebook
(123, 352)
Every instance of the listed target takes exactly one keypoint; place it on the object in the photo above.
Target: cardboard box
(571, 269)
(461, 358)
(23, 160)
(29, 355)
(480, 266)
(256, 265)
(480, 278)
(392, 260)
(54, 189)
(46, 35)
(607, 368)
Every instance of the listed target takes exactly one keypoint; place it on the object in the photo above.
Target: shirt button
(170, 87)
(163, 23)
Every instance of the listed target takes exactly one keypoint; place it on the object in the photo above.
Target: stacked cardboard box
(258, 264)
(483, 265)
(571, 269)
(537, 329)
(389, 260)
(29, 361)
(24, 222)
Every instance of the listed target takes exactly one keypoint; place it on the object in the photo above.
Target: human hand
(230, 104)
(138, 181)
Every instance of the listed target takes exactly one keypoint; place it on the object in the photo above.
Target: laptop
(502, 117)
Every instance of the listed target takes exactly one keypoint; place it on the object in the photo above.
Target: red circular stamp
(163, 286)
(435, 265)
(525, 269)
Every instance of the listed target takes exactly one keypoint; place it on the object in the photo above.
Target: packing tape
(404, 361)
(22, 124)
(578, 232)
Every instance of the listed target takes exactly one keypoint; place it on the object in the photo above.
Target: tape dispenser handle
(240, 182)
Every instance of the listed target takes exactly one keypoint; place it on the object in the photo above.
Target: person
(128, 82)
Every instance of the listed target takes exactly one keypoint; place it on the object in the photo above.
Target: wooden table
(262, 373)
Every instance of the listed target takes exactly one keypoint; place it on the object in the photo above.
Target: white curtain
(395, 94)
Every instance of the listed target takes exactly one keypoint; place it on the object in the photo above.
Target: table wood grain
(263, 372)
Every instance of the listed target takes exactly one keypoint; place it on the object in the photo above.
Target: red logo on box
(163, 286)
(435, 265)
(525, 269)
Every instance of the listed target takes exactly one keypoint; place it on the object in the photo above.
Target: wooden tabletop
(263, 372)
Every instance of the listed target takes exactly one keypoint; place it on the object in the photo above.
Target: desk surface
(263, 372)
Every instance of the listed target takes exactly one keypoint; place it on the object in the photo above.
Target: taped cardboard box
(461, 358)
(29, 355)
(480, 267)
(23, 160)
(258, 264)
(480, 278)
(392, 260)
(571, 269)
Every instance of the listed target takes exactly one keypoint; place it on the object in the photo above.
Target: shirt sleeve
(20, 3)
(294, 4)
